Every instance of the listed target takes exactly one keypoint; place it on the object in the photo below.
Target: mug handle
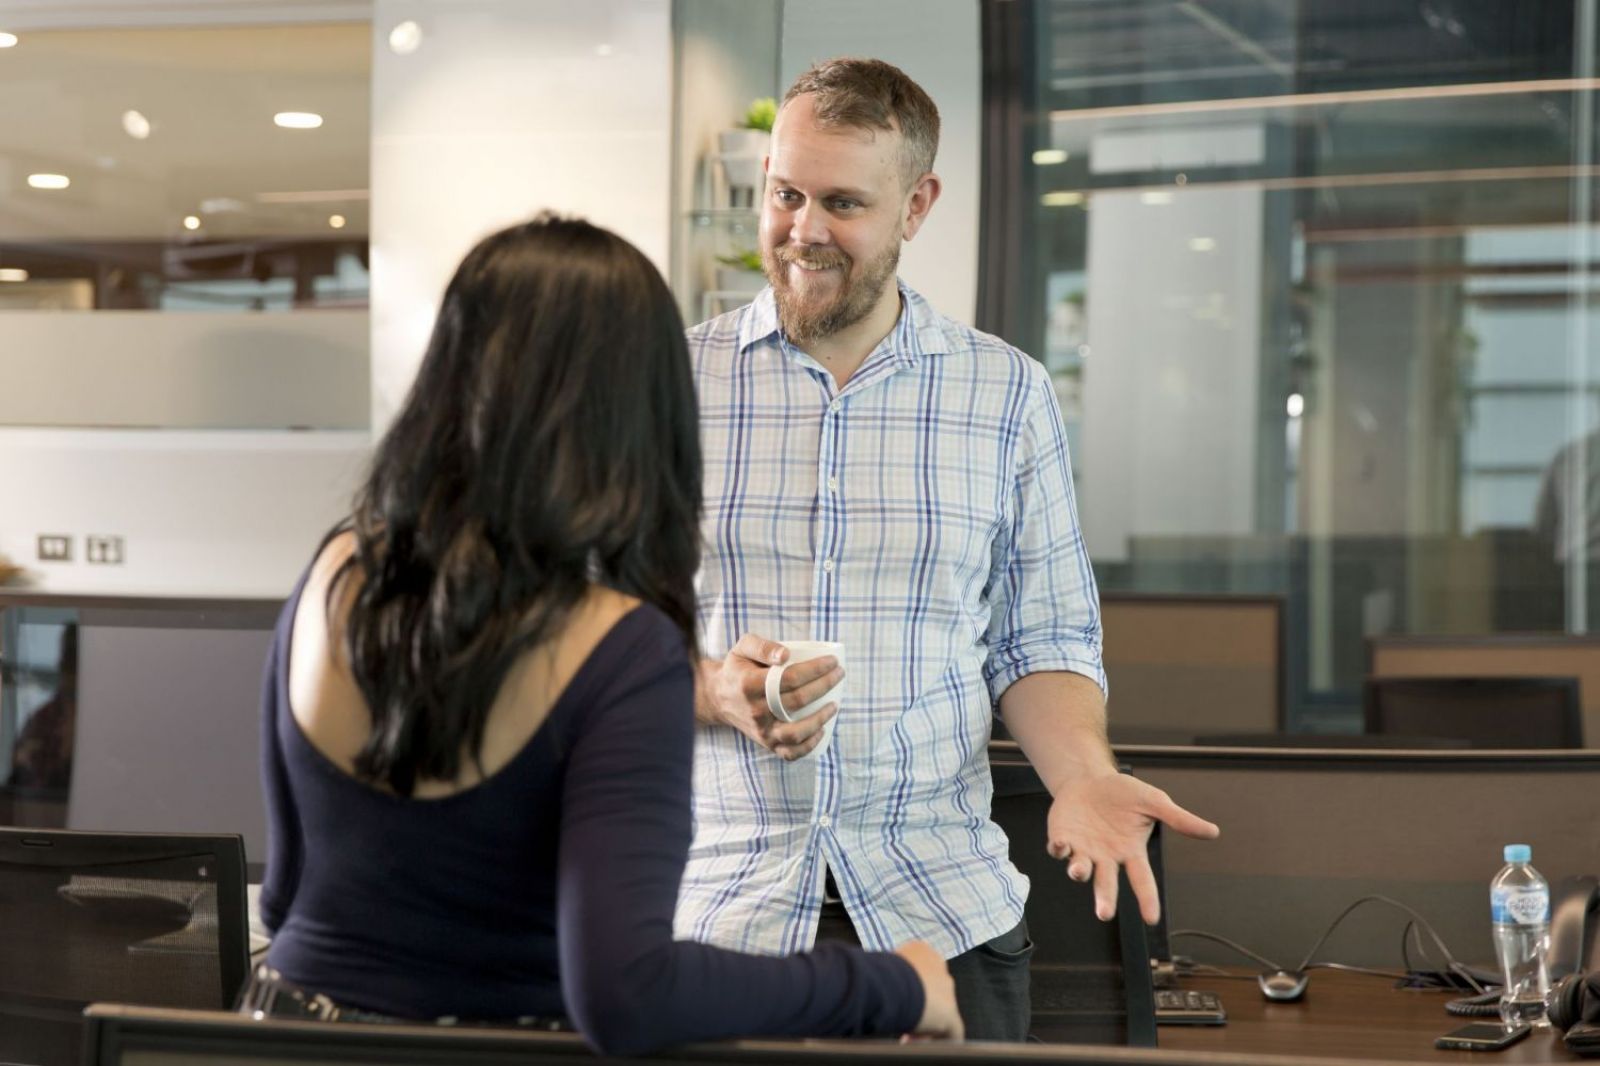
(775, 693)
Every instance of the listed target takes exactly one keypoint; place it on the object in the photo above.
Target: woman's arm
(285, 848)
(625, 830)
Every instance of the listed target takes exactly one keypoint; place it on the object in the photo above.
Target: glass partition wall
(1314, 280)
(207, 172)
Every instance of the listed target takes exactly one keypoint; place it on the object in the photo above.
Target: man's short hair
(873, 95)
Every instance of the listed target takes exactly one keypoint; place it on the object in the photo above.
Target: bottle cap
(1518, 853)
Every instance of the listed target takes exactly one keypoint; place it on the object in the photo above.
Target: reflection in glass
(1314, 282)
(151, 169)
(38, 714)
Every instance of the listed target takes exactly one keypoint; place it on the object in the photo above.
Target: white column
(506, 108)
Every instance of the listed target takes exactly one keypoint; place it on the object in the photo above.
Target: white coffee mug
(803, 651)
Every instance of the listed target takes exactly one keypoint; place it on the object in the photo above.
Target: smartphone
(1481, 1036)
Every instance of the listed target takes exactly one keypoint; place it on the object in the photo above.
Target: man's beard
(805, 321)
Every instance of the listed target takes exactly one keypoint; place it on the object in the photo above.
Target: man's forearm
(1059, 720)
(705, 711)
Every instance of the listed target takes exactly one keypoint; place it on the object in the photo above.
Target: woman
(478, 725)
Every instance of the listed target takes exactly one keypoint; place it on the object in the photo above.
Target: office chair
(1090, 980)
(142, 918)
(1487, 712)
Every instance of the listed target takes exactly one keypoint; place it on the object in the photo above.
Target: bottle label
(1521, 906)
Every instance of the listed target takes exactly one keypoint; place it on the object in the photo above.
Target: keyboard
(1174, 1007)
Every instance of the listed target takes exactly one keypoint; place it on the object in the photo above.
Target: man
(880, 476)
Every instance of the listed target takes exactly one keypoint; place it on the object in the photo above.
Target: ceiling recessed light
(1296, 406)
(135, 125)
(336, 221)
(298, 120)
(13, 274)
(1045, 157)
(1155, 199)
(1202, 244)
(191, 221)
(8, 40)
(1061, 199)
(49, 181)
(405, 38)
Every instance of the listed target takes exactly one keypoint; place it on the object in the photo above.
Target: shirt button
(827, 566)
(824, 822)
(833, 484)
(835, 405)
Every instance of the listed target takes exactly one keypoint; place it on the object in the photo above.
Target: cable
(1455, 967)
(1417, 921)
(1405, 938)
(1203, 970)
(1240, 948)
(1357, 969)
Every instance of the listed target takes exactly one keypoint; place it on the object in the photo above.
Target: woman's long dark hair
(549, 442)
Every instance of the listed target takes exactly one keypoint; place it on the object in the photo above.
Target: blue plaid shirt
(923, 515)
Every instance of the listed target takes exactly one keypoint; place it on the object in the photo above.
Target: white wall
(201, 514)
(937, 43)
(508, 107)
(184, 370)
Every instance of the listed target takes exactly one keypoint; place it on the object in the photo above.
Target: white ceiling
(209, 93)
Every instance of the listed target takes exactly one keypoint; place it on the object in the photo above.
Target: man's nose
(810, 225)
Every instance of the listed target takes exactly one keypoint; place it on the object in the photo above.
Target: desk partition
(1193, 664)
(1306, 832)
(134, 1036)
(165, 730)
(1496, 655)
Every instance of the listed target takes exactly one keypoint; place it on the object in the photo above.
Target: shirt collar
(919, 331)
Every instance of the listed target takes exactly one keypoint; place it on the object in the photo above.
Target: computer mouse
(1284, 986)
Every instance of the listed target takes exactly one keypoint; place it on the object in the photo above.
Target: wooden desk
(1345, 1015)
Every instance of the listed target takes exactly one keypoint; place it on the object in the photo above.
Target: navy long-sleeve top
(546, 889)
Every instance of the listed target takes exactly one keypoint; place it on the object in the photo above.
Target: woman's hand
(940, 1018)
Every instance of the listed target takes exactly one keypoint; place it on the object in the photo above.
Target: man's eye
(787, 196)
(845, 205)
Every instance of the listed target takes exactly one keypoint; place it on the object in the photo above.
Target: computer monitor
(144, 918)
(1486, 712)
(160, 701)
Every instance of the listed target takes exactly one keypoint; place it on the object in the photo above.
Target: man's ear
(923, 194)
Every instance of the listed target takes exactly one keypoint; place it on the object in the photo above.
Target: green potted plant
(741, 272)
(743, 150)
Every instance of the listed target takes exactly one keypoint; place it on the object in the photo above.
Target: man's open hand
(1099, 823)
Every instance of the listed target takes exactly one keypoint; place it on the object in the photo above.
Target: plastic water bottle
(1520, 899)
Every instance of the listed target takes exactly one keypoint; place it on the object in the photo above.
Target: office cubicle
(1496, 655)
(1307, 832)
(161, 705)
(1178, 666)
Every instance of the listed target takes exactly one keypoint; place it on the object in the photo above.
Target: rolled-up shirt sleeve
(1044, 608)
